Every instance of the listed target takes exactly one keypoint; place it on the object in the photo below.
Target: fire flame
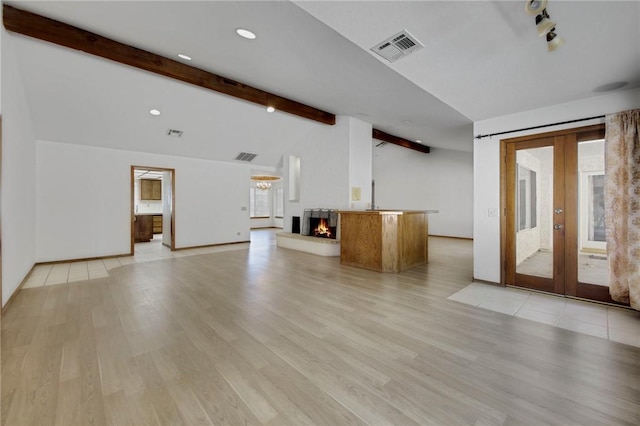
(322, 230)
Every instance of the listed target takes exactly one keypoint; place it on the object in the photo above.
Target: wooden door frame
(173, 203)
(569, 138)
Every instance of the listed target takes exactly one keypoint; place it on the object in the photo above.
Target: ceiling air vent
(245, 156)
(398, 46)
(174, 133)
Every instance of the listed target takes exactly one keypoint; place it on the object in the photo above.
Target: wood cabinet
(157, 224)
(143, 228)
(383, 241)
(150, 189)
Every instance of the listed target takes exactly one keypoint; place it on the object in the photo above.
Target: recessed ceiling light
(407, 121)
(418, 141)
(183, 56)
(154, 112)
(270, 109)
(245, 33)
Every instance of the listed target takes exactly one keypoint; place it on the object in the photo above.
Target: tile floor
(61, 273)
(608, 322)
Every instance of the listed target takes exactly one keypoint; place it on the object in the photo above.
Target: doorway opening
(553, 233)
(152, 207)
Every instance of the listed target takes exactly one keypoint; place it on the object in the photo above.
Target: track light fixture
(553, 40)
(535, 7)
(544, 24)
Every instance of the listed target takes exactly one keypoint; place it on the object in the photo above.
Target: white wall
(486, 162)
(262, 223)
(18, 176)
(441, 180)
(278, 222)
(91, 216)
(360, 163)
(324, 170)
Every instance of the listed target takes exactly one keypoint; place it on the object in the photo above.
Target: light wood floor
(278, 337)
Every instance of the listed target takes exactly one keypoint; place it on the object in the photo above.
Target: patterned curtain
(622, 205)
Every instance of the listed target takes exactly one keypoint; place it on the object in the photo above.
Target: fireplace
(321, 223)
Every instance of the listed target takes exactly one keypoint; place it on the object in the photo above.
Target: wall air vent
(174, 133)
(245, 156)
(397, 46)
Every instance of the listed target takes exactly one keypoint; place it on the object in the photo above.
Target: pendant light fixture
(264, 182)
(264, 186)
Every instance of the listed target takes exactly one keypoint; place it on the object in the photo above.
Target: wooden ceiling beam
(386, 137)
(42, 28)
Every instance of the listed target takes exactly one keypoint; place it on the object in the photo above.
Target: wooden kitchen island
(384, 240)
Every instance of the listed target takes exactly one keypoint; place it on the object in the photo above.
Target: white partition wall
(441, 180)
(91, 217)
(323, 169)
(18, 175)
(360, 164)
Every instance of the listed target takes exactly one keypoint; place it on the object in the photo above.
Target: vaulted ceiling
(480, 60)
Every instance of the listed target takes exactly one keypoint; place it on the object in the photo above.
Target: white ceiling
(481, 59)
(484, 58)
(77, 98)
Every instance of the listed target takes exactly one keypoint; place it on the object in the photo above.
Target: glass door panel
(534, 211)
(532, 198)
(592, 246)
(554, 235)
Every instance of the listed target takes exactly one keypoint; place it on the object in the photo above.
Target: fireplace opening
(321, 223)
(320, 228)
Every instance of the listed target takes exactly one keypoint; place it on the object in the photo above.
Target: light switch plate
(355, 193)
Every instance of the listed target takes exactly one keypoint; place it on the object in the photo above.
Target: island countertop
(385, 211)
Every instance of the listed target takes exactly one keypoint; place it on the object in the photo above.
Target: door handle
(558, 226)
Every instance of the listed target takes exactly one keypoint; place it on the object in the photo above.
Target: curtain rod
(539, 127)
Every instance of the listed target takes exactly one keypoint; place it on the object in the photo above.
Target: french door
(553, 234)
